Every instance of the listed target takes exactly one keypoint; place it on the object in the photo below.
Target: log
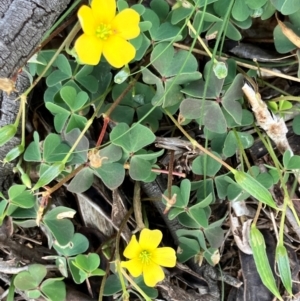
(23, 24)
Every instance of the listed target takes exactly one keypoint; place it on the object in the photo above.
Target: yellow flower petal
(150, 239)
(88, 49)
(86, 19)
(165, 257)
(133, 249)
(126, 24)
(153, 273)
(118, 51)
(104, 10)
(134, 266)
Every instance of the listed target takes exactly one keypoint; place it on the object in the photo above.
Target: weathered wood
(23, 24)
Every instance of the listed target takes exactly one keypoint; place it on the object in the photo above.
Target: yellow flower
(107, 33)
(145, 257)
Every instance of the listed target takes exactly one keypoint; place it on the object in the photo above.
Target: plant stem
(191, 27)
(196, 144)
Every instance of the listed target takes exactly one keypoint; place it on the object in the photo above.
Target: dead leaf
(289, 33)
(66, 214)
(7, 85)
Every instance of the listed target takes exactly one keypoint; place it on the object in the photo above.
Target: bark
(23, 24)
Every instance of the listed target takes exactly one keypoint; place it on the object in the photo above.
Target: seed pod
(284, 269)
(14, 153)
(6, 133)
(258, 246)
(254, 188)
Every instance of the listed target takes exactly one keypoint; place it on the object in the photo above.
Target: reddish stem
(103, 130)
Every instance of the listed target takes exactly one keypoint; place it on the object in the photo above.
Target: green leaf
(255, 4)
(131, 139)
(49, 175)
(87, 80)
(112, 285)
(33, 294)
(81, 150)
(19, 196)
(222, 185)
(111, 174)
(199, 214)
(54, 289)
(72, 99)
(151, 79)
(160, 7)
(240, 11)
(62, 63)
(140, 53)
(212, 256)
(140, 169)
(97, 272)
(149, 156)
(231, 144)
(234, 93)
(198, 235)
(182, 198)
(56, 77)
(188, 247)
(112, 152)
(164, 32)
(30, 279)
(180, 14)
(79, 244)
(282, 43)
(33, 152)
(122, 4)
(3, 205)
(53, 149)
(88, 263)
(286, 7)
(78, 275)
(168, 62)
(205, 165)
(213, 117)
(62, 229)
(294, 162)
(139, 8)
(61, 115)
(187, 221)
(215, 234)
(82, 181)
(296, 125)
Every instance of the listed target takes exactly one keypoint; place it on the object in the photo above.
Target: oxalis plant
(128, 65)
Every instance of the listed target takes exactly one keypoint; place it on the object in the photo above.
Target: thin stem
(170, 174)
(103, 130)
(23, 104)
(196, 144)
(118, 260)
(288, 97)
(61, 47)
(122, 95)
(242, 64)
(137, 288)
(59, 21)
(191, 27)
(65, 179)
